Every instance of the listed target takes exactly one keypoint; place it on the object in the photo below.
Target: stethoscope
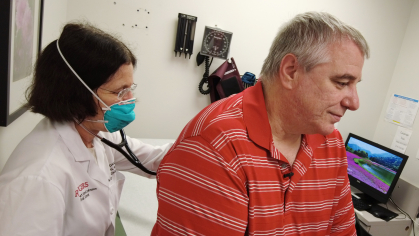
(130, 155)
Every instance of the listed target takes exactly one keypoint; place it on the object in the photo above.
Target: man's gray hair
(307, 36)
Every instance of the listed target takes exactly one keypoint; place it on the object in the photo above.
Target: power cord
(405, 213)
(398, 212)
(199, 59)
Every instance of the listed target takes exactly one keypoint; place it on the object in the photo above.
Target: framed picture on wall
(20, 43)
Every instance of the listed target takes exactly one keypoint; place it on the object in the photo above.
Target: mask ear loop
(74, 72)
(99, 121)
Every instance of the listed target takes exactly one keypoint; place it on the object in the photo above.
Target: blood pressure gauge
(216, 42)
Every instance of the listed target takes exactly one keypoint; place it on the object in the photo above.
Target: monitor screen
(372, 168)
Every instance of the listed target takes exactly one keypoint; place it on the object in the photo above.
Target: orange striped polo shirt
(224, 176)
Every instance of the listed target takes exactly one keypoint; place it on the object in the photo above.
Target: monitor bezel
(367, 189)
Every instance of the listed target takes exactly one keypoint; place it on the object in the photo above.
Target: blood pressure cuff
(225, 81)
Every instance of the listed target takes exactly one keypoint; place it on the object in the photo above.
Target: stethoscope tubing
(130, 155)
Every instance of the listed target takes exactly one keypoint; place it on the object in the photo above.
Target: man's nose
(351, 101)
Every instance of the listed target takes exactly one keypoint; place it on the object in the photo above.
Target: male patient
(268, 161)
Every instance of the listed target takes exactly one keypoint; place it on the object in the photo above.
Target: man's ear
(288, 70)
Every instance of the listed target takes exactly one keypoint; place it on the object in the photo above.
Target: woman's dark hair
(55, 91)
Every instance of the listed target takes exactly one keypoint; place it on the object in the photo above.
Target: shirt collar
(256, 117)
(72, 140)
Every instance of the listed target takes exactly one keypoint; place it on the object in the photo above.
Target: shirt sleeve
(344, 218)
(199, 193)
(31, 206)
(150, 156)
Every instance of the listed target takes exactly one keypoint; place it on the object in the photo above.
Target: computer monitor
(372, 168)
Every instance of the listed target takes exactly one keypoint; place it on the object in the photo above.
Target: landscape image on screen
(371, 165)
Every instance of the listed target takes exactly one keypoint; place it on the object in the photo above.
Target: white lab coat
(52, 185)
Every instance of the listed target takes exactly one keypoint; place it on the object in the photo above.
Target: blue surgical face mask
(116, 116)
(119, 115)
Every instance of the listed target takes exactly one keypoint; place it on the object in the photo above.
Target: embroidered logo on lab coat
(83, 191)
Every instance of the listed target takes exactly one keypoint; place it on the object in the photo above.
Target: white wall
(54, 17)
(167, 90)
(405, 81)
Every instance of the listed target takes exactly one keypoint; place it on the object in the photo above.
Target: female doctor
(61, 179)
